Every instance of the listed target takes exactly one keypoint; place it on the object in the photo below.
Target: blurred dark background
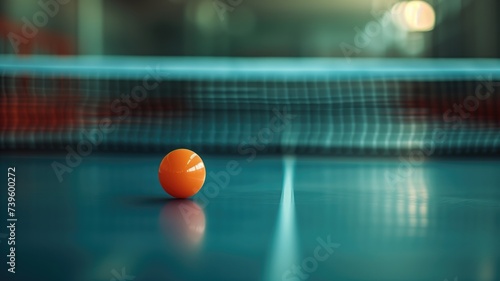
(257, 28)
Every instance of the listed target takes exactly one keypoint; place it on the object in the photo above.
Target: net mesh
(250, 106)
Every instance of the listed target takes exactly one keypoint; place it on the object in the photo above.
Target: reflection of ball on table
(183, 224)
(182, 173)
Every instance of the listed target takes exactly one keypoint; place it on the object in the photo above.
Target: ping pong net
(246, 106)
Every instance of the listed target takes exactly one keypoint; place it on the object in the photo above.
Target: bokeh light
(414, 16)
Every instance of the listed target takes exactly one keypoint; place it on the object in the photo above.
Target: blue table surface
(274, 218)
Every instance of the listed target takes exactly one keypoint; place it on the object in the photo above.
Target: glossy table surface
(270, 218)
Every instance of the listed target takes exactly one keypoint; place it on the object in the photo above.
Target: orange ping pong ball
(182, 173)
